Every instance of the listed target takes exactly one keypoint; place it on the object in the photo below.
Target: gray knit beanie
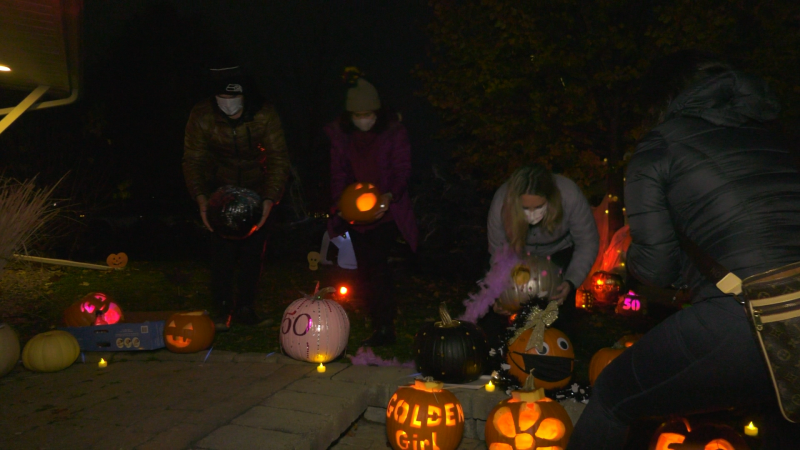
(362, 97)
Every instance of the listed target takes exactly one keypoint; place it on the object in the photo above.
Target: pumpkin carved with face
(553, 366)
(605, 288)
(527, 421)
(359, 203)
(95, 308)
(189, 332)
(424, 416)
(680, 434)
(117, 261)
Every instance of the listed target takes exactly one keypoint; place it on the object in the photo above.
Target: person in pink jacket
(368, 144)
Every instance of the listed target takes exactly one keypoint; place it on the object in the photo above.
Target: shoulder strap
(725, 280)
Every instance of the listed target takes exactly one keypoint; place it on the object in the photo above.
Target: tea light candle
(489, 386)
(103, 364)
(321, 368)
(751, 430)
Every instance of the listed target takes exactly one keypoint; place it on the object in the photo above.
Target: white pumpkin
(314, 329)
(9, 349)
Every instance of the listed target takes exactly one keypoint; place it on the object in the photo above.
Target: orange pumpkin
(703, 437)
(95, 308)
(424, 416)
(528, 420)
(189, 332)
(359, 203)
(604, 356)
(553, 366)
(117, 261)
(605, 287)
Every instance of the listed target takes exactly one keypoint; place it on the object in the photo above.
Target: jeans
(374, 275)
(703, 358)
(226, 256)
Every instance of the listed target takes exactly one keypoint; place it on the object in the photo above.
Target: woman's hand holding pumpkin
(265, 212)
(202, 202)
(561, 292)
(383, 205)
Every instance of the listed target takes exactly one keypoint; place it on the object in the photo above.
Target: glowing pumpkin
(314, 329)
(553, 366)
(424, 416)
(359, 203)
(631, 304)
(189, 332)
(451, 350)
(9, 349)
(95, 308)
(605, 287)
(533, 277)
(702, 437)
(50, 352)
(528, 420)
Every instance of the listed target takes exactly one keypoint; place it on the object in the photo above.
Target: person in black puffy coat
(714, 171)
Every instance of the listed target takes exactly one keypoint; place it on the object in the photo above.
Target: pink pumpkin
(314, 328)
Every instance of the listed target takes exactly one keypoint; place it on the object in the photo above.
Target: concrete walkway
(162, 400)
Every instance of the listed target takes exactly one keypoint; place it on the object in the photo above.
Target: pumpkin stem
(530, 383)
(446, 320)
(320, 294)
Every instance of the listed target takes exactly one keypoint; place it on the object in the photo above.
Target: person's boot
(221, 318)
(246, 315)
(383, 335)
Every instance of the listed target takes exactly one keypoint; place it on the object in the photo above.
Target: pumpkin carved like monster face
(359, 202)
(553, 366)
(189, 332)
(605, 288)
(95, 308)
(424, 416)
(527, 421)
(679, 433)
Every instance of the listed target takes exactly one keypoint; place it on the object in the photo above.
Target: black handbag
(772, 300)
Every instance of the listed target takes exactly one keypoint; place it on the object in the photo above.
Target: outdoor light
(751, 430)
(5, 68)
(321, 368)
(489, 386)
(343, 290)
(103, 364)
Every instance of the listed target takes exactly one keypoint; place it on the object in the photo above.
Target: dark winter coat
(249, 153)
(394, 159)
(714, 171)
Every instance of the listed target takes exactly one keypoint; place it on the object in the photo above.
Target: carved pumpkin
(450, 350)
(314, 329)
(605, 288)
(359, 203)
(424, 415)
(604, 356)
(679, 433)
(528, 420)
(631, 304)
(189, 332)
(50, 352)
(533, 277)
(9, 349)
(117, 261)
(95, 308)
(553, 367)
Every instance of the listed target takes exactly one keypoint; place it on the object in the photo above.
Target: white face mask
(230, 106)
(365, 123)
(536, 215)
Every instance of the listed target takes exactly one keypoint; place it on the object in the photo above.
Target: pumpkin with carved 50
(189, 332)
(424, 416)
(527, 421)
(359, 203)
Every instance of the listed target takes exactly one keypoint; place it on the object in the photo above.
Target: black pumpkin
(450, 350)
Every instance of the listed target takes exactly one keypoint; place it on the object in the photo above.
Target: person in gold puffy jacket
(234, 138)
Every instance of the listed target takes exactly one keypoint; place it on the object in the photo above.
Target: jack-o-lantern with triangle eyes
(359, 203)
(552, 366)
(189, 332)
(528, 421)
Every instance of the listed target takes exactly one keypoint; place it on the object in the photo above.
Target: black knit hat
(227, 80)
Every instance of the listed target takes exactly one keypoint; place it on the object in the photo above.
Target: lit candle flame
(102, 363)
(489, 386)
(321, 368)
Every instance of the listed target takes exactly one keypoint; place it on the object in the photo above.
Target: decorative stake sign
(424, 416)
(117, 261)
(313, 260)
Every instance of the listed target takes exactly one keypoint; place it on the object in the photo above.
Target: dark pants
(703, 358)
(227, 256)
(374, 276)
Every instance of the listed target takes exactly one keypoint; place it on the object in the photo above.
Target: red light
(343, 290)
(599, 282)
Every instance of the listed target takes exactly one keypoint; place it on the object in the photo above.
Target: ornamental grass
(24, 209)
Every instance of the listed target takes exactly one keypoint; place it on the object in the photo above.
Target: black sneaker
(222, 322)
(383, 335)
(246, 315)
